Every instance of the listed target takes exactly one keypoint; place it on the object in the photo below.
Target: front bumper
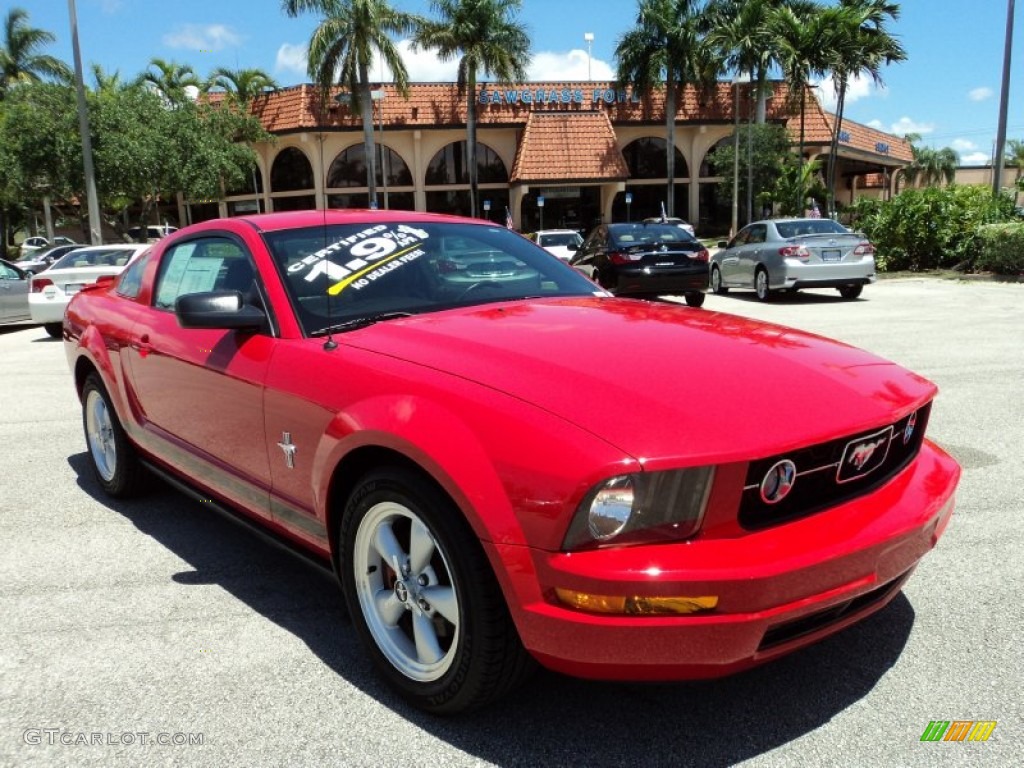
(779, 589)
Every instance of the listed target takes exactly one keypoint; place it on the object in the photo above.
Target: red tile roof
(568, 146)
(441, 104)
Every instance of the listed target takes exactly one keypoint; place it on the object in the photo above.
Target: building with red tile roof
(580, 146)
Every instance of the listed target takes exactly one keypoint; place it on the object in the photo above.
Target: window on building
(349, 168)
(291, 171)
(451, 166)
(646, 158)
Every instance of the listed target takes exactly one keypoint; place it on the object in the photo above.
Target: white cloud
(423, 66)
(559, 67)
(291, 59)
(856, 89)
(905, 125)
(204, 38)
(876, 124)
(975, 158)
(980, 94)
(963, 145)
(111, 6)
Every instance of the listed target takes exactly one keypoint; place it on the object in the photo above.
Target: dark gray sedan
(790, 254)
(14, 284)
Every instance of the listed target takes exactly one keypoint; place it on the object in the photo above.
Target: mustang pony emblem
(862, 453)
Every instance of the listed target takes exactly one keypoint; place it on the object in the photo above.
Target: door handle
(142, 345)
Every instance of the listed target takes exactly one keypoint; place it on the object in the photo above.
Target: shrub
(1001, 248)
(930, 228)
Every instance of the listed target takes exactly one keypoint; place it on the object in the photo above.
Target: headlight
(641, 508)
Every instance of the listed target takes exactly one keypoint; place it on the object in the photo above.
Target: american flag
(508, 219)
(815, 213)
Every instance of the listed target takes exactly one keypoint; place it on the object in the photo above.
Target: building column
(608, 193)
(419, 194)
(516, 193)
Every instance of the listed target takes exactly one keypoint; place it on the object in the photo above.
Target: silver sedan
(790, 254)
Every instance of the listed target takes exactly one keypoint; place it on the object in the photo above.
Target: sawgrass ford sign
(557, 96)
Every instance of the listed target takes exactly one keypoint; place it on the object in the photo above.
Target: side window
(130, 282)
(741, 238)
(6, 273)
(207, 264)
(757, 233)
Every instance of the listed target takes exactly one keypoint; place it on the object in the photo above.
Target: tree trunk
(762, 97)
(800, 156)
(366, 106)
(670, 144)
(474, 182)
(833, 151)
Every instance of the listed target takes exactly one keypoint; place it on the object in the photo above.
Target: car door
(13, 295)
(730, 259)
(588, 257)
(750, 254)
(199, 392)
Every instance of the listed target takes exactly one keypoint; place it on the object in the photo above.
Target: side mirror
(572, 247)
(723, 244)
(218, 309)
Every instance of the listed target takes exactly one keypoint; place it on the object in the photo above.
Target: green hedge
(1001, 249)
(930, 228)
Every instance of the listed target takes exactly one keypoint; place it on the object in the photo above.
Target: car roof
(272, 222)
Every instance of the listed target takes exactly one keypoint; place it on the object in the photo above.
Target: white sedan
(562, 243)
(51, 291)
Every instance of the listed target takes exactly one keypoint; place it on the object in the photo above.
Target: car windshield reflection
(339, 274)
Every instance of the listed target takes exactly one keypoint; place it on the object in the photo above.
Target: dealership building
(558, 154)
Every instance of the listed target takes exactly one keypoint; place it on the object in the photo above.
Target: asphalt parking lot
(126, 624)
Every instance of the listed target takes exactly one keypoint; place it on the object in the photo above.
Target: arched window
(349, 168)
(291, 171)
(451, 165)
(645, 158)
(245, 187)
(706, 167)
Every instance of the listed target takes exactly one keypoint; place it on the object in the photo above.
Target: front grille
(805, 625)
(824, 480)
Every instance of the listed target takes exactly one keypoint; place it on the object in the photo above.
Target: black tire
(850, 291)
(716, 281)
(762, 285)
(114, 459)
(694, 299)
(438, 630)
(55, 330)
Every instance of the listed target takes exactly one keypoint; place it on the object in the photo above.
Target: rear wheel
(764, 293)
(694, 299)
(423, 598)
(850, 291)
(56, 330)
(716, 281)
(114, 459)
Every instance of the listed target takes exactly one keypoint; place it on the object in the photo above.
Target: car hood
(660, 382)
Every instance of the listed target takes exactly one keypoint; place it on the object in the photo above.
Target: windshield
(94, 257)
(560, 238)
(343, 273)
(627, 235)
(788, 229)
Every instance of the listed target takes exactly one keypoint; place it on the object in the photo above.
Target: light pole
(736, 162)
(487, 210)
(95, 233)
(377, 96)
(629, 202)
(589, 37)
(540, 210)
(997, 177)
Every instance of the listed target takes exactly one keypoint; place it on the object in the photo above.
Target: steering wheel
(477, 286)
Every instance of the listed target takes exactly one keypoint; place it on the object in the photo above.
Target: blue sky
(947, 91)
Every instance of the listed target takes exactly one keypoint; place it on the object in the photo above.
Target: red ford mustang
(503, 463)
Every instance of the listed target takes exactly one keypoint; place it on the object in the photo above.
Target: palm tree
(20, 60)
(106, 83)
(487, 38)
(862, 46)
(170, 80)
(1015, 159)
(931, 166)
(805, 37)
(243, 85)
(668, 46)
(343, 49)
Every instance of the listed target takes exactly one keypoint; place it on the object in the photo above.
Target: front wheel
(716, 281)
(114, 460)
(423, 598)
(694, 299)
(761, 287)
(850, 291)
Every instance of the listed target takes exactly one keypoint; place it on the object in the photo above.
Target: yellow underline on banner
(338, 287)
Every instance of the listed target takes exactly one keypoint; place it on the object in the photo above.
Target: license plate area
(832, 254)
(70, 288)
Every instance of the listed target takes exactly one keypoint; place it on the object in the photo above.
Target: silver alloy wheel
(100, 433)
(716, 280)
(761, 284)
(406, 592)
